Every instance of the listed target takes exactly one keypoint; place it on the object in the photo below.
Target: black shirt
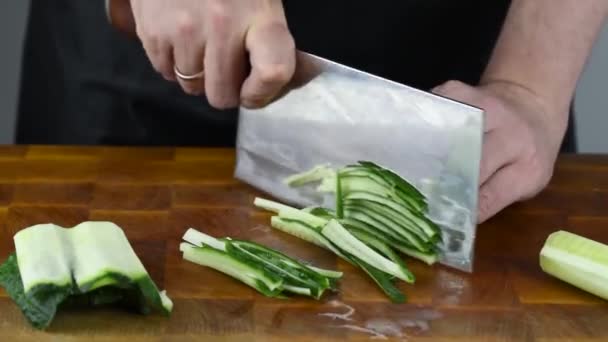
(85, 83)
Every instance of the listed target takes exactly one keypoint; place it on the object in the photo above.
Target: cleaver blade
(336, 115)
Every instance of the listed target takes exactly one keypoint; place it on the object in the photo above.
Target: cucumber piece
(40, 304)
(291, 271)
(197, 238)
(383, 248)
(315, 174)
(385, 225)
(285, 211)
(376, 212)
(91, 263)
(328, 273)
(390, 238)
(321, 212)
(578, 261)
(390, 189)
(351, 245)
(339, 202)
(298, 290)
(428, 258)
(305, 232)
(393, 179)
(384, 281)
(429, 228)
(221, 261)
(269, 271)
(411, 224)
(366, 183)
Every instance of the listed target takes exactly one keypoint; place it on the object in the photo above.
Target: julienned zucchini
(90, 264)
(377, 215)
(384, 203)
(270, 272)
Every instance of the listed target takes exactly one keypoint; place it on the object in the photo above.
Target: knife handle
(120, 16)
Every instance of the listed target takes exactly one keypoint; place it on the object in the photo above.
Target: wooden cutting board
(156, 194)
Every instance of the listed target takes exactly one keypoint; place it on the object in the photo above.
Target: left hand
(522, 138)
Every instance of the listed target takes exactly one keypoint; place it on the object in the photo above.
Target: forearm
(544, 46)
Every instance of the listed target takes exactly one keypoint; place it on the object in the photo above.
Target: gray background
(591, 100)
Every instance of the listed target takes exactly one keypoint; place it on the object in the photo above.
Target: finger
(496, 153)
(160, 54)
(189, 55)
(272, 57)
(500, 191)
(456, 90)
(465, 93)
(224, 65)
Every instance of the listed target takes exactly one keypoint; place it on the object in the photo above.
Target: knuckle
(222, 102)
(275, 73)
(492, 103)
(151, 41)
(487, 202)
(185, 24)
(453, 85)
(219, 14)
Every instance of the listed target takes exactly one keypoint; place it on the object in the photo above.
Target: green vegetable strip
(383, 281)
(317, 173)
(396, 193)
(328, 273)
(410, 232)
(304, 232)
(298, 290)
(429, 258)
(197, 238)
(285, 211)
(414, 225)
(223, 262)
(385, 249)
(394, 179)
(278, 258)
(292, 273)
(339, 201)
(347, 242)
(379, 223)
(426, 225)
(268, 271)
(388, 238)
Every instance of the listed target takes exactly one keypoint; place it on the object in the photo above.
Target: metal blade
(334, 114)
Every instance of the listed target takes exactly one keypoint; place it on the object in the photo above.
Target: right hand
(224, 38)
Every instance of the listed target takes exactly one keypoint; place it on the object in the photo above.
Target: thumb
(502, 189)
(272, 56)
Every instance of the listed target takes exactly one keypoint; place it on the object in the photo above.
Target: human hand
(223, 38)
(522, 138)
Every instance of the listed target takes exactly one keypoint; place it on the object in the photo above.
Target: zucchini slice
(576, 260)
(91, 263)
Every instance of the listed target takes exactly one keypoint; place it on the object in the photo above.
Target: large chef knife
(333, 114)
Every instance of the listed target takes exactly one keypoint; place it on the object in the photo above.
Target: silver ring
(188, 77)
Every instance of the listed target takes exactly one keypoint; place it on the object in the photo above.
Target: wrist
(542, 110)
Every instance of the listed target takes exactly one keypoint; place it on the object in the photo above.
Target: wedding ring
(188, 77)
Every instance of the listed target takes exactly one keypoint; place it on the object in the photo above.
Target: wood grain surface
(155, 194)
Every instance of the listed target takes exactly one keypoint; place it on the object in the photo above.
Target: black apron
(85, 83)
